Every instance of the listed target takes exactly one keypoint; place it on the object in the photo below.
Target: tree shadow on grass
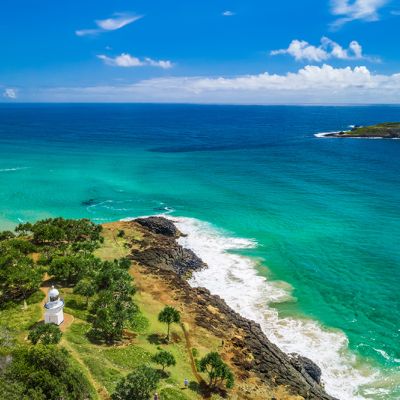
(156, 338)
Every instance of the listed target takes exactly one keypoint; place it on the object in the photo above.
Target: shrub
(165, 359)
(218, 372)
(138, 385)
(45, 334)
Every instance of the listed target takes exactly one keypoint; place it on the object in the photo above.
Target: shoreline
(340, 135)
(164, 257)
(343, 373)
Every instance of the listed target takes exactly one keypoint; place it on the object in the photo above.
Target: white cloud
(309, 85)
(10, 93)
(228, 13)
(302, 50)
(126, 60)
(350, 10)
(118, 21)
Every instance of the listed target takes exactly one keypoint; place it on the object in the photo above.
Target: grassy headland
(386, 130)
(131, 268)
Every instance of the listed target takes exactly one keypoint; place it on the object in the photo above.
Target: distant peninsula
(386, 130)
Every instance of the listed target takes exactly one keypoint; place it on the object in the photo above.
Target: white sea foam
(234, 277)
(12, 169)
(325, 134)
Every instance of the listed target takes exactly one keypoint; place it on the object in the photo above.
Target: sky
(208, 51)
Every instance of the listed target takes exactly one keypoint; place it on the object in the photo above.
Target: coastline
(338, 135)
(162, 257)
(230, 275)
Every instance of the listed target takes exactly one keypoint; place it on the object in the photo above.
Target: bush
(218, 372)
(45, 334)
(138, 385)
(165, 359)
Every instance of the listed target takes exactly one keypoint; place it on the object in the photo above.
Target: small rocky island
(386, 130)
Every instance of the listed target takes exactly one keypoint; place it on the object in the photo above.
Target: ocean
(300, 233)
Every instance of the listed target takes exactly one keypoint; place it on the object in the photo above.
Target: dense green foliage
(19, 275)
(45, 334)
(165, 359)
(65, 247)
(138, 385)
(86, 287)
(169, 315)
(72, 267)
(218, 371)
(55, 231)
(45, 373)
(385, 130)
(114, 308)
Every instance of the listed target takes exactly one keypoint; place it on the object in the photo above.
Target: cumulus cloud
(304, 51)
(118, 21)
(127, 61)
(309, 85)
(10, 93)
(228, 13)
(350, 10)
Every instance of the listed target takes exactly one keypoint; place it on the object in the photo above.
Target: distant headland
(386, 130)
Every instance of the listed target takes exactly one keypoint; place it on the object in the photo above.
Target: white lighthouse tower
(54, 308)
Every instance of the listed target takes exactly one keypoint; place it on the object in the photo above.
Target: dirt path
(100, 390)
(200, 380)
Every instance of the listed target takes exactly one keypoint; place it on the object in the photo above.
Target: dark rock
(159, 225)
(90, 202)
(170, 255)
(304, 364)
(250, 348)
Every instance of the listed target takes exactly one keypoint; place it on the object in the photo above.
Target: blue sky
(253, 51)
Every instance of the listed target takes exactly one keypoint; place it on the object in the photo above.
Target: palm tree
(169, 315)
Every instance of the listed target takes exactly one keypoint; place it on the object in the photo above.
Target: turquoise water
(324, 212)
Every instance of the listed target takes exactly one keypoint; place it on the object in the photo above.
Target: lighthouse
(54, 308)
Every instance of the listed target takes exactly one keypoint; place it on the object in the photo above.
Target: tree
(5, 235)
(19, 276)
(218, 371)
(138, 385)
(169, 315)
(46, 372)
(85, 287)
(111, 312)
(71, 268)
(45, 334)
(165, 359)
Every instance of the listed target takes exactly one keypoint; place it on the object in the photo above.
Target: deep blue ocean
(322, 214)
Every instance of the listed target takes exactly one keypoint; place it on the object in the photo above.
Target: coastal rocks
(306, 366)
(163, 251)
(159, 225)
(174, 257)
(243, 343)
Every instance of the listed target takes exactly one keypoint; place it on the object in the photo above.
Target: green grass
(104, 374)
(127, 357)
(19, 319)
(173, 394)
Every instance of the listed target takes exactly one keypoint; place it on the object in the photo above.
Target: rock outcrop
(243, 341)
(159, 225)
(306, 366)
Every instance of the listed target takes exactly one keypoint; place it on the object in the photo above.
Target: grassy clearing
(114, 245)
